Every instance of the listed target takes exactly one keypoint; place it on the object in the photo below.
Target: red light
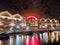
(31, 17)
(33, 41)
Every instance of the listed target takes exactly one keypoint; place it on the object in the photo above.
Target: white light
(11, 40)
(44, 37)
(56, 21)
(8, 17)
(15, 18)
(27, 40)
(51, 21)
(19, 19)
(43, 26)
(3, 17)
(41, 37)
(27, 28)
(45, 20)
(18, 40)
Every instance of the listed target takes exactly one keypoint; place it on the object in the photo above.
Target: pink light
(30, 17)
(33, 41)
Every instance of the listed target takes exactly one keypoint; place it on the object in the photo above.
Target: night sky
(38, 8)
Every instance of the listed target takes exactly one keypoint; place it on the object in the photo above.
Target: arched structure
(5, 14)
(48, 23)
(32, 21)
(42, 23)
(53, 20)
(42, 19)
(31, 17)
(5, 18)
(17, 17)
(48, 20)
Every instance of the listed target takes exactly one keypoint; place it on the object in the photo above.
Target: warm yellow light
(55, 21)
(3, 17)
(51, 21)
(9, 18)
(57, 38)
(46, 37)
(52, 37)
(19, 19)
(1, 42)
(1, 23)
(41, 37)
(12, 24)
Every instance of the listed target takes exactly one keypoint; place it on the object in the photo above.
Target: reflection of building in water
(11, 40)
(1, 43)
(24, 38)
(18, 40)
(44, 37)
(55, 37)
(8, 20)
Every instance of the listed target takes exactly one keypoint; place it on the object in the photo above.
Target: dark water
(43, 39)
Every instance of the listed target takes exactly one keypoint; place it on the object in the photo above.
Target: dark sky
(41, 8)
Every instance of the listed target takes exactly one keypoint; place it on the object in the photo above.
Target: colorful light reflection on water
(29, 40)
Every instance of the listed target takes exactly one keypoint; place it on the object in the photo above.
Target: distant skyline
(42, 8)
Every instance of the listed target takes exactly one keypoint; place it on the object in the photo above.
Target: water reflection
(24, 39)
(11, 40)
(35, 40)
(55, 37)
(18, 40)
(1, 42)
(44, 37)
(28, 40)
(31, 39)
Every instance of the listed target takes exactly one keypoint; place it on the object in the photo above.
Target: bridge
(26, 32)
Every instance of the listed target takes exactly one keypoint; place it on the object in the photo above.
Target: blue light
(17, 26)
(18, 40)
(44, 37)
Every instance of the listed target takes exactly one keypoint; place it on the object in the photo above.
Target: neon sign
(31, 17)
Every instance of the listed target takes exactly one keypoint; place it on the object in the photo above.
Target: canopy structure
(17, 17)
(5, 14)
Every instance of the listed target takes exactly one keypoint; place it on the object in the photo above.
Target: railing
(27, 31)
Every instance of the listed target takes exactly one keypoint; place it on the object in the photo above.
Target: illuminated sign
(31, 17)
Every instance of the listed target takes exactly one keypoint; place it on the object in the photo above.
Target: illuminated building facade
(8, 20)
